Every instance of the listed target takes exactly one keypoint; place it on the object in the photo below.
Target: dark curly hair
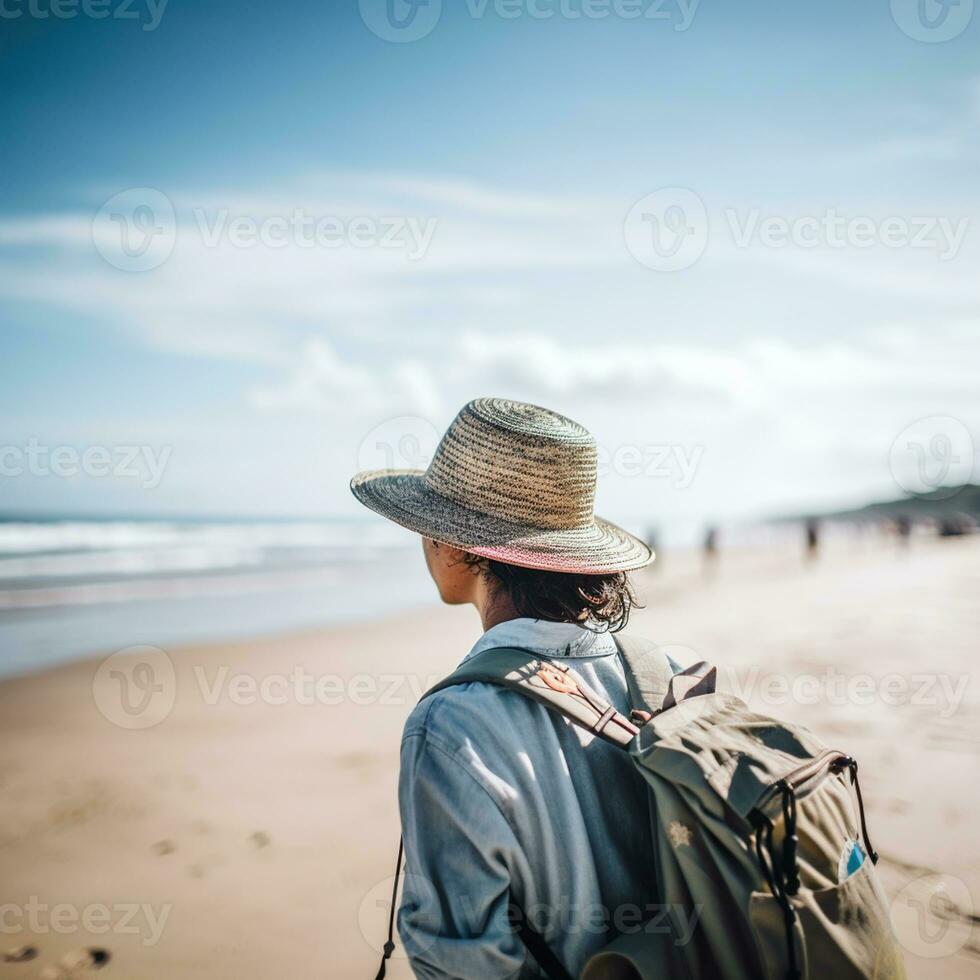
(601, 603)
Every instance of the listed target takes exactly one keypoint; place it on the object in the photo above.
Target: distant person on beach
(903, 527)
(710, 546)
(505, 806)
(812, 538)
(952, 526)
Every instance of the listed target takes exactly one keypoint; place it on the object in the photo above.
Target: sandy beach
(238, 818)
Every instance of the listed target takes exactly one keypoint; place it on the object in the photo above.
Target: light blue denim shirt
(502, 800)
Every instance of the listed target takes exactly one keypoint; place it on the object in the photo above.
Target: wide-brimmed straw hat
(513, 482)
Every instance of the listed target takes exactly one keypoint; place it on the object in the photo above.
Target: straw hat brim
(596, 548)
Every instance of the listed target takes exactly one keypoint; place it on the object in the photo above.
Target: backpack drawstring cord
(791, 842)
(782, 877)
(389, 946)
(872, 853)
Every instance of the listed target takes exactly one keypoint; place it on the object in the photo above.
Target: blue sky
(522, 144)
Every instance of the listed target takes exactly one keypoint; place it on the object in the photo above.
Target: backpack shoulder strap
(551, 682)
(648, 672)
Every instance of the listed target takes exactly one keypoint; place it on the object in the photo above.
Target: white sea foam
(62, 560)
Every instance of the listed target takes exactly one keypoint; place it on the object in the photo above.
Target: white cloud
(755, 377)
(321, 381)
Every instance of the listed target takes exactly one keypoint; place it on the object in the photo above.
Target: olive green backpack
(759, 830)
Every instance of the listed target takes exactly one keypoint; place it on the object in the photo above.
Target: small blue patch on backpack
(852, 857)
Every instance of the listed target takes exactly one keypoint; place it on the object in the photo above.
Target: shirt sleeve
(460, 858)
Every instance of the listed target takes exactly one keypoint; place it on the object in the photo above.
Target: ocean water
(76, 588)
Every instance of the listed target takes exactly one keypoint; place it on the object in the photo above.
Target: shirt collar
(545, 639)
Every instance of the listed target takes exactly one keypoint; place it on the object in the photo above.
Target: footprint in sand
(90, 958)
(19, 954)
(258, 840)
